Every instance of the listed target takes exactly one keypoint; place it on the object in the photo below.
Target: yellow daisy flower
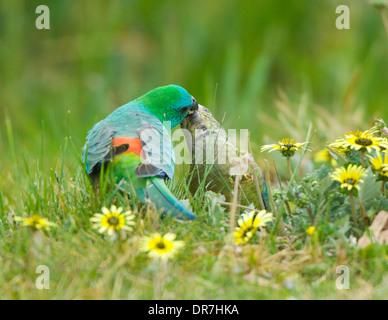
(35, 222)
(310, 231)
(286, 146)
(360, 141)
(349, 177)
(161, 247)
(324, 155)
(112, 220)
(249, 223)
(380, 165)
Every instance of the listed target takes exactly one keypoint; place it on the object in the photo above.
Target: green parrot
(134, 140)
(204, 132)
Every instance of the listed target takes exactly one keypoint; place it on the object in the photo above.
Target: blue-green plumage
(135, 140)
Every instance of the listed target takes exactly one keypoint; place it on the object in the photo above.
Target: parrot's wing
(156, 145)
(98, 146)
(158, 151)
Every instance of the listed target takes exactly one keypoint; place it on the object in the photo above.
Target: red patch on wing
(134, 145)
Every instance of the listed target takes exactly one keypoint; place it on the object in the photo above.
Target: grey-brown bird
(216, 161)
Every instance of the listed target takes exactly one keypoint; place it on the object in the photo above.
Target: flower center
(350, 181)
(288, 146)
(36, 221)
(247, 231)
(113, 221)
(364, 142)
(160, 245)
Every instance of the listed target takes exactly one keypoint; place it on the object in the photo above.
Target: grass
(84, 265)
(270, 66)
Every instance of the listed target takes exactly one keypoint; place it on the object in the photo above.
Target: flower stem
(234, 204)
(270, 196)
(120, 241)
(363, 212)
(383, 188)
(363, 158)
(352, 205)
(289, 166)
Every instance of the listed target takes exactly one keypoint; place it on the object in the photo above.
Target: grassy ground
(84, 265)
(269, 66)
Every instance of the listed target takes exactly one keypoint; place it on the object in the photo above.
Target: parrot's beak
(194, 116)
(194, 104)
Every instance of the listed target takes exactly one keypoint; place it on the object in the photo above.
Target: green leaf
(370, 189)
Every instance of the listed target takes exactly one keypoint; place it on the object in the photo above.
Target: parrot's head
(170, 103)
(200, 120)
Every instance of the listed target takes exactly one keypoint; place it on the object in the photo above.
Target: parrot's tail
(165, 201)
(265, 198)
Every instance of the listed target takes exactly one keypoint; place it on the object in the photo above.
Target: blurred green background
(262, 65)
